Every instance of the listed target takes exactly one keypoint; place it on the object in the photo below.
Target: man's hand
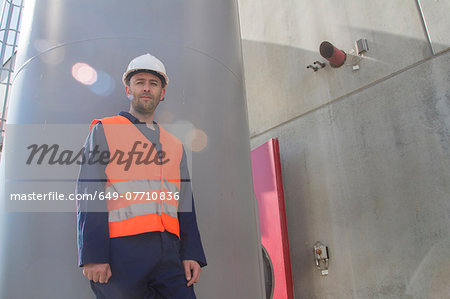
(97, 272)
(192, 271)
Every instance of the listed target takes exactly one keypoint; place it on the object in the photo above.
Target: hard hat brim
(128, 74)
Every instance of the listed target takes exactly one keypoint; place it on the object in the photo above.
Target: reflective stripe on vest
(143, 195)
(141, 209)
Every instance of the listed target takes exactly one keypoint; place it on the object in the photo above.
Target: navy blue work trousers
(145, 266)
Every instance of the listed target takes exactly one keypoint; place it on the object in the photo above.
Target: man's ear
(163, 92)
(127, 89)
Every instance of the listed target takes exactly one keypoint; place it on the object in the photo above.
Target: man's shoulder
(166, 135)
(169, 138)
(116, 119)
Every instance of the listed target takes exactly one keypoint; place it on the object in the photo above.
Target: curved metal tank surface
(66, 43)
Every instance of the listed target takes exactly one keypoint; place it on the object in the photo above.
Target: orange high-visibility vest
(144, 193)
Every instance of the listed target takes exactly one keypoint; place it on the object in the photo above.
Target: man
(138, 238)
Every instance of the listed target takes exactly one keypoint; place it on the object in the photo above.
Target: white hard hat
(146, 62)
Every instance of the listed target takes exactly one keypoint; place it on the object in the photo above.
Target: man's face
(147, 92)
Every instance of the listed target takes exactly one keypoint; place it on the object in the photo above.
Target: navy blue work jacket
(92, 215)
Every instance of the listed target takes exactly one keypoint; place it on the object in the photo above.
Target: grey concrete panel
(369, 176)
(279, 41)
(436, 18)
(305, 24)
(200, 46)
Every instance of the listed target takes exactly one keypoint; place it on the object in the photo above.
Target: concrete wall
(365, 154)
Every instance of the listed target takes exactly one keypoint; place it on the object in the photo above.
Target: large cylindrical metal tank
(72, 54)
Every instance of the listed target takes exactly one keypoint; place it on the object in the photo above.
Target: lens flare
(104, 85)
(196, 140)
(84, 73)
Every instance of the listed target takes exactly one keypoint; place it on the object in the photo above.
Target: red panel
(268, 186)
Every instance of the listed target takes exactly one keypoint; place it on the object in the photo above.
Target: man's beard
(143, 107)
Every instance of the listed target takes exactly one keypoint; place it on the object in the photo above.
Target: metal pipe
(425, 27)
(335, 56)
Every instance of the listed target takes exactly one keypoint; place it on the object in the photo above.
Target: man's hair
(163, 81)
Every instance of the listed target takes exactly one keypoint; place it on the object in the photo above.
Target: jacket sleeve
(92, 214)
(191, 245)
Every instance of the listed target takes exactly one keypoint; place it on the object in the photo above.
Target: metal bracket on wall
(321, 257)
(321, 64)
(316, 65)
(315, 68)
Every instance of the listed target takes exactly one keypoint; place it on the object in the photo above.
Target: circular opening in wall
(268, 274)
